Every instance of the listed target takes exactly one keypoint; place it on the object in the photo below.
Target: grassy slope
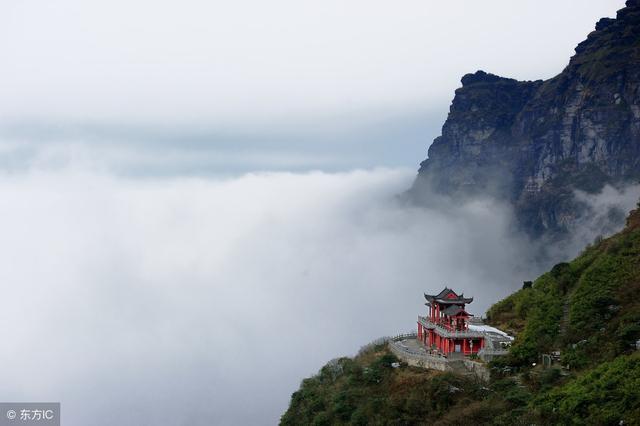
(588, 309)
(366, 390)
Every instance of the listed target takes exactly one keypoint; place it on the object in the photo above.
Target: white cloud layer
(192, 301)
(206, 301)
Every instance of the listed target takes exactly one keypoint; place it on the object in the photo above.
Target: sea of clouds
(205, 300)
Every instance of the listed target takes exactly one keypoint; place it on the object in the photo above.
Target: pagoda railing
(447, 332)
(405, 336)
(442, 322)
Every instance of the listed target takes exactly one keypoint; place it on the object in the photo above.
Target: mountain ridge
(534, 143)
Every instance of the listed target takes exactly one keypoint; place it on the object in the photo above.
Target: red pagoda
(446, 328)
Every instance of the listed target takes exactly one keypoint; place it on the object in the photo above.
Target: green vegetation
(366, 390)
(587, 309)
(607, 394)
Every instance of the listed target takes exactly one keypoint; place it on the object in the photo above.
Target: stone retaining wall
(477, 368)
(419, 360)
(423, 360)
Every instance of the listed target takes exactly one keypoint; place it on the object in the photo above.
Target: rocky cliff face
(536, 142)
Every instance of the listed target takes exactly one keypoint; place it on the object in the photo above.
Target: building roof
(448, 296)
(454, 310)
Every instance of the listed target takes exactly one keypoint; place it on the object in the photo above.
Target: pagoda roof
(448, 296)
(454, 310)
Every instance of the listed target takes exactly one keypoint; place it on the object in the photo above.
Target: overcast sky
(323, 79)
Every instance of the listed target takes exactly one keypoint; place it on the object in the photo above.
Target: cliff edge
(534, 143)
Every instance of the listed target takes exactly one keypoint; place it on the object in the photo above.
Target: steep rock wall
(535, 142)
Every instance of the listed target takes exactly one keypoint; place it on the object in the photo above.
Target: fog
(174, 300)
(393, 137)
(604, 214)
(206, 301)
